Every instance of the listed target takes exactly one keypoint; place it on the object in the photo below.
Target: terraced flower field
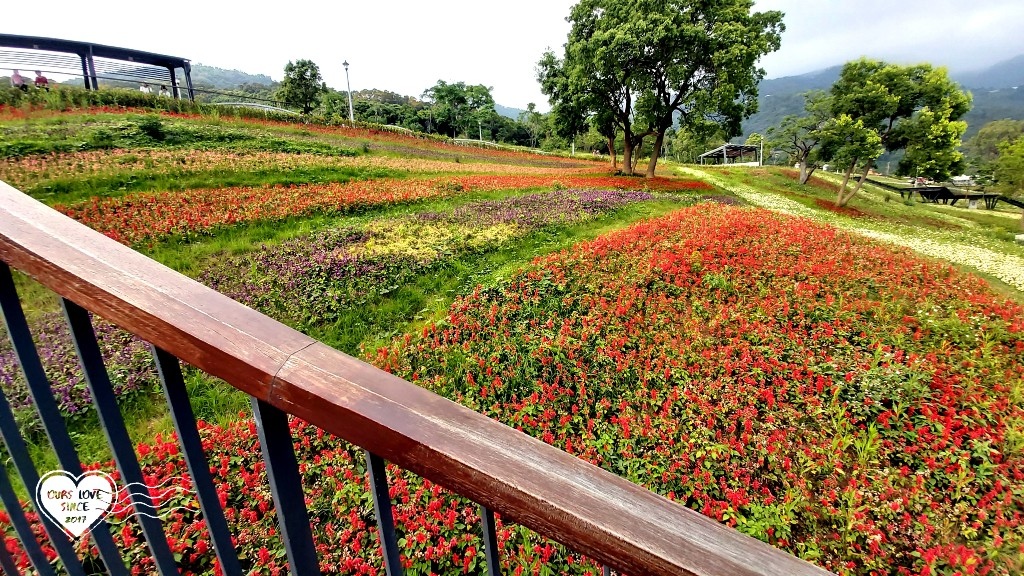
(851, 402)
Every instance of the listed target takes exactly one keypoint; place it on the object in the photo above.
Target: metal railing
(619, 524)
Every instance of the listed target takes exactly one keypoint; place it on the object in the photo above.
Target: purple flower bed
(538, 210)
(127, 358)
(308, 280)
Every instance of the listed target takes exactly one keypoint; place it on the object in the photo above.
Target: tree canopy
(982, 151)
(1009, 170)
(302, 85)
(458, 106)
(800, 137)
(636, 66)
(912, 108)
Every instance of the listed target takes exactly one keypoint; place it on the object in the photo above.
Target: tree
(933, 142)
(849, 143)
(1009, 170)
(457, 106)
(981, 151)
(302, 85)
(687, 144)
(638, 65)
(916, 108)
(800, 136)
(533, 121)
(574, 110)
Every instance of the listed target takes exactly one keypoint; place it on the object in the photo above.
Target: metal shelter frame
(729, 153)
(87, 53)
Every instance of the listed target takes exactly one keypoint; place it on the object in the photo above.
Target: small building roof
(731, 151)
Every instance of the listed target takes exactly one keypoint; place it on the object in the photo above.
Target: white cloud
(406, 46)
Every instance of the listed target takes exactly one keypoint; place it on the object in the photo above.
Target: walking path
(964, 247)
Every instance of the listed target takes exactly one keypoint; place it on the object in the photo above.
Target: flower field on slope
(153, 216)
(414, 145)
(33, 171)
(859, 407)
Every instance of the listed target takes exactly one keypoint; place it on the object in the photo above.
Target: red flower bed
(151, 216)
(439, 533)
(853, 405)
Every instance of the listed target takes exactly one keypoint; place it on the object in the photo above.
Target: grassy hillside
(845, 385)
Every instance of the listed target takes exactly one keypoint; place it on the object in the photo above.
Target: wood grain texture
(591, 510)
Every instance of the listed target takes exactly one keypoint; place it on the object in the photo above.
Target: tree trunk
(846, 180)
(627, 155)
(637, 149)
(860, 183)
(612, 153)
(658, 141)
(803, 172)
(810, 172)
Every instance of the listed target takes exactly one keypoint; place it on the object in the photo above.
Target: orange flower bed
(151, 216)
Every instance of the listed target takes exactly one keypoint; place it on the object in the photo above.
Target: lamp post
(351, 116)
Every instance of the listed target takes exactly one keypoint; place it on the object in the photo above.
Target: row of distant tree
(454, 109)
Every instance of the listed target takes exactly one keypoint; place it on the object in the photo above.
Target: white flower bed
(966, 248)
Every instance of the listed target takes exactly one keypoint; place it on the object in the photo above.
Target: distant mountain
(1002, 75)
(226, 79)
(507, 112)
(995, 97)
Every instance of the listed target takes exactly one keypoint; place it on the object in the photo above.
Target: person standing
(18, 81)
(145, 89)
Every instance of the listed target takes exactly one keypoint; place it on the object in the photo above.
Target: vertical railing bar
(18, 452)
(21, 526)
(607, 571)
(103, 398)
(195, 457)
(6, 562)
(382, 508)
(490, 531)
(46, 407)
(42, 397)
(286, 487)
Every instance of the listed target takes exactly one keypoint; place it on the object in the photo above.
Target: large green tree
(302, 85)
(458, 106)
(913, 108)
(639, 65)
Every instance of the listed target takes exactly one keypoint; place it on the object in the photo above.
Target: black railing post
(6, 562)
(382, 507)
(286, 487)
(42, 398)
(22, 527)
(195, 457)
(30, 478)
(112, 422)
(490, 533)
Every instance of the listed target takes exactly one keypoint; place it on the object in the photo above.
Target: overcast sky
(406, 46)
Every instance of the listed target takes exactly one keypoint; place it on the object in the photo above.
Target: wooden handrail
(593, 511)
